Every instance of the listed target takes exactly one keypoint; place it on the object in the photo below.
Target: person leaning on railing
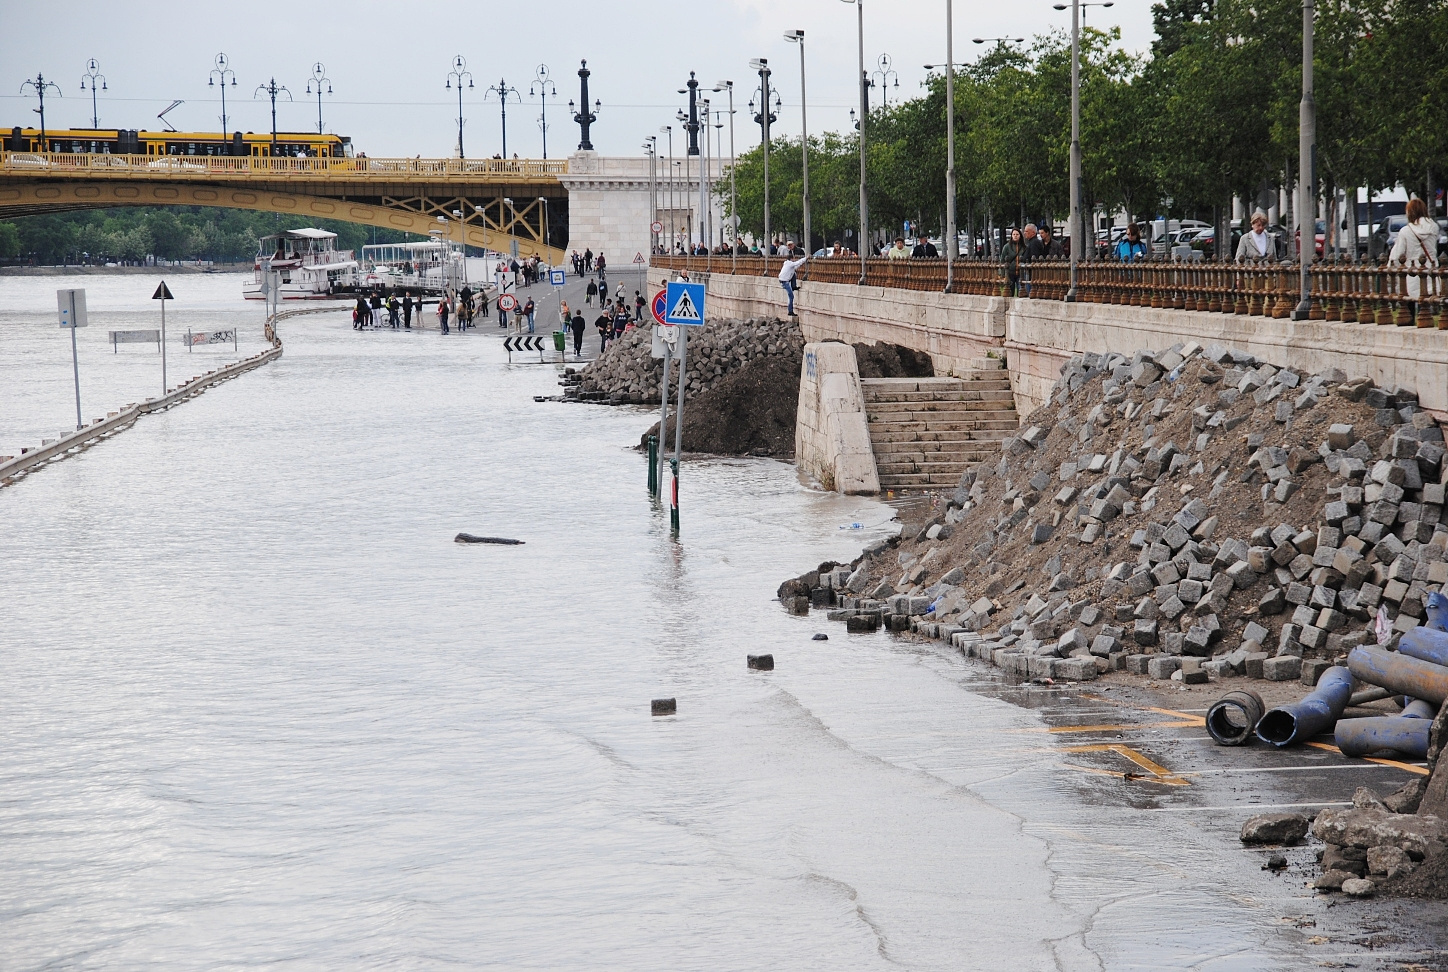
(1013, 257)
(1259, 245)
(1417, 246)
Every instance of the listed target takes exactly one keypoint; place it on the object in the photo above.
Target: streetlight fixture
(797, 37)
(547, 229)
(885, 72)
(273, 89)
(459, 72)
(692, 126)
(319, 77)
(952, 243)
(542, 87)
(219, 73)
(765, 117)
(862, 242)
(651, 149)
(1078, 230)
(93, 74)
(584, 117)
(733, 201)
(673, 235)
(999, 41)
(39, 84)
(502, 91)
(1307, 169)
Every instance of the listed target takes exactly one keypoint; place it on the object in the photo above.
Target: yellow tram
(92, 141)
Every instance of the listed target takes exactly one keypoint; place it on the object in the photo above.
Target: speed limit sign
(507, 302)
(657, 227)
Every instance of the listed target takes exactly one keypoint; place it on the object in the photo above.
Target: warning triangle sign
(162, 293)
(639, 257)
(684, 309)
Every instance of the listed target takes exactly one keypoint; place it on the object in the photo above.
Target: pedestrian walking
(590, 292)
(407, 312)
(898, 251)
(1130, 248)
(621, 320)
(1258, 245)
(588, 260)
(787, 278)
(639, 305)
(577, 324)
(599, 262)
(565, 316)
(1013, 256)
(442, 310)
(359, 314)
(528, 309)
(605, 329)
(1416, 248)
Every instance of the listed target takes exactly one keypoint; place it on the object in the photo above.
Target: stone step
(941, 425)
(976, 431)
(934, 403)
(928, 468)
(964, 395)
(926, 461)
(918, 481)
(987, 364)
(942, 383)
(900, 451)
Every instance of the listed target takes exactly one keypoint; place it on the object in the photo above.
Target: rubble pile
(628, 373)
(1186, 514)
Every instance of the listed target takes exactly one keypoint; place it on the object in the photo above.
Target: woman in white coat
(1417, 246)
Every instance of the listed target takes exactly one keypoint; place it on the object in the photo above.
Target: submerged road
(260, 709)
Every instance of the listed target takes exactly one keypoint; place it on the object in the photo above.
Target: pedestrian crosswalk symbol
(685, 303)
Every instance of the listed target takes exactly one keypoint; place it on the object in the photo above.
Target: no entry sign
(658, 306)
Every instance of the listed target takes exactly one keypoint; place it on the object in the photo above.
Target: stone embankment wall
(832, 437)
(627, 372)
(1038, 336)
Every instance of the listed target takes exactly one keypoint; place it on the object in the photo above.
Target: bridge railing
(172, 167)
(1366, 293)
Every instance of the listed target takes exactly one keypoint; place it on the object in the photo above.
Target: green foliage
(168, 233)
(9, 240)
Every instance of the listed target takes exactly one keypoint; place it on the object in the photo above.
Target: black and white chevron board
(526, 342)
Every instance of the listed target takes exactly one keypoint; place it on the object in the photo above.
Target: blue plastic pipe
(1400, 673)
(1406, 733)
(1315, 713)
(1427, 644)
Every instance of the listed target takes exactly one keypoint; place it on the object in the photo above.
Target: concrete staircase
(926, 431)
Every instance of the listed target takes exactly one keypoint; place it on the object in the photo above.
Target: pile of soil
(751, 412)
(893, 361)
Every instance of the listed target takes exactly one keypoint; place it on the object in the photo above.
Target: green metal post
(653, 465)
(674, 498)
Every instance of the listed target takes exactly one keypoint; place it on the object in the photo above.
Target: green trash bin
(559, 339)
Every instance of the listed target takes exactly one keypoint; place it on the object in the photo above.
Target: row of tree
(170, 233)
(1210, 113)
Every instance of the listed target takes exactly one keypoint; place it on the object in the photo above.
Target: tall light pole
(797, 37)
(458, 73)
(273, 89)
(542, 87)
(319, 78)
(93, 74)
(669, 131)
(219, 73)
(863, 241)
(952, 241)
(719, 158)
(692, 126)
(764, 118)
(733, 202)
(651, 148)
(1077, 229)
(583, 116)
(502, 90)
(39, 84)
(1307, 169)
(885, 72)
(706, 224)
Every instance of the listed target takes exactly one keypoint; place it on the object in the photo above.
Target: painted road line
(1406, 767)
(1287, 769)
(1159, 773)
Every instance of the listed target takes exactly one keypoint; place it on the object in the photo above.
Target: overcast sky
(388, 62)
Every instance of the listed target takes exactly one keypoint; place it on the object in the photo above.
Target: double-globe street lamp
(541, 87)
(319, 78)
(764, 118)
(93, 74)
(503, 92)
(220, 73)
(272, 89)
(458, 73)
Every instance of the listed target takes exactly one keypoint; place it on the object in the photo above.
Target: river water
(258, 709)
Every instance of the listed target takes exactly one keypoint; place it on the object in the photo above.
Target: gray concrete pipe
(1232, 718)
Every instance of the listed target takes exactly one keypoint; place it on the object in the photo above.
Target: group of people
(586, 262)
(370, 310)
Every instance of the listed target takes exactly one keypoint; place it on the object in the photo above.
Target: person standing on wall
(1013, 256)
(787, 278)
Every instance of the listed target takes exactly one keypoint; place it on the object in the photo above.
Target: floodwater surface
(258, 709)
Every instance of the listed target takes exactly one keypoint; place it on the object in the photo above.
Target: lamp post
(459, 72)
(547, 229)
(952, 242)
(1078, 231)
(1307, 170)
(797, 37)
(219, 73)
(502, 90)
(863, 241)
(733, 206)
(692, 126)
(273, 89)
(93, 74)
(651, 149)
(669, 131)
(885, 72)
(583, 116)
(39, 84)
(319, 77)
(764, 118)
(706, 223)
(543, 87)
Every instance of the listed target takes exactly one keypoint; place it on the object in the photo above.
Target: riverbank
(94, 271)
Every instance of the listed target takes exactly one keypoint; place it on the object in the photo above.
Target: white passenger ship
(308, 262)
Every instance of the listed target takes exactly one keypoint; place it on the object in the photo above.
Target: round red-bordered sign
(658, 307)
(507, 302)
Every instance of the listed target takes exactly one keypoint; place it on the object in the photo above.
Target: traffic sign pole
(658, 472)
(679, 427)
(75, 367)
(163, 294)
(71, 304)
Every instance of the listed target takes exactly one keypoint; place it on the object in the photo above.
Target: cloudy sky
(388, 62)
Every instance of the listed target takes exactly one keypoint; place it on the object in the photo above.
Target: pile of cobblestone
(1187, 514)
(628, 373)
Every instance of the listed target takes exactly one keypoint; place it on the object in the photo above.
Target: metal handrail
(170, 167)
(1368, 293)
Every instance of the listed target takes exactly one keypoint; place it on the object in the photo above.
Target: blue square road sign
(684, 304)
(556, 277)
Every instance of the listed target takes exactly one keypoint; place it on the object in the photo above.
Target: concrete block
(1137, 664)
(1253, 664)
(1162, 666)
(1076, 669)
(1312, 671)
(1144, 632)
(1283, 668)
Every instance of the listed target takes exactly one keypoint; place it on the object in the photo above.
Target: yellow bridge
(484, 202)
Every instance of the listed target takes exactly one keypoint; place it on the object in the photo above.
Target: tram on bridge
(122, 141)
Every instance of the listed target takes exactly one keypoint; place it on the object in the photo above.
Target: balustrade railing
(208, 166)
(1364, 293)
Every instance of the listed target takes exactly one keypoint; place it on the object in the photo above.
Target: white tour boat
(308, 263)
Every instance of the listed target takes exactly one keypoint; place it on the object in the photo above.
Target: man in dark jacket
(924, 249)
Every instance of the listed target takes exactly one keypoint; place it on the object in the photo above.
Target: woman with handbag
(1417, 246)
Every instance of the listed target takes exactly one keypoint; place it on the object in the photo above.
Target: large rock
(1274, 828)
(1368, 828)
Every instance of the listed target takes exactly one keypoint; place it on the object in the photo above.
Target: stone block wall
(832, 438)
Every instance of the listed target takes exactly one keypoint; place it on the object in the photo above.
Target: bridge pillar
(608, 206)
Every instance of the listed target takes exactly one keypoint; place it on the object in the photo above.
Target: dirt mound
(893, 361)
(750, 412)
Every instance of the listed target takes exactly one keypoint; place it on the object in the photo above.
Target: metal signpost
(664, 337)
(163, 294)
(135, 337)
(684, 303)
(557, 277)
(71, 304)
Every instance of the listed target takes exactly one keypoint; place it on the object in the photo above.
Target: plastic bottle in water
(852, 526)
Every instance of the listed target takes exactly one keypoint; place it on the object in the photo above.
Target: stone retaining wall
(832, 437)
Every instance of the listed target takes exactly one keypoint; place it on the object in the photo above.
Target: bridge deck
(210, 168)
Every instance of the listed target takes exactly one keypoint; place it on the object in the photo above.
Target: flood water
(258, 709)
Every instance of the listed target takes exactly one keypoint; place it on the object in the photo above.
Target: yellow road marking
(1159, 773)
(1397, 764)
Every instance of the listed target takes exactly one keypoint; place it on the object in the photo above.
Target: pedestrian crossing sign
(685, 303)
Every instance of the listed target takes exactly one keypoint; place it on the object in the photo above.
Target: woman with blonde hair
(1416, 247)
